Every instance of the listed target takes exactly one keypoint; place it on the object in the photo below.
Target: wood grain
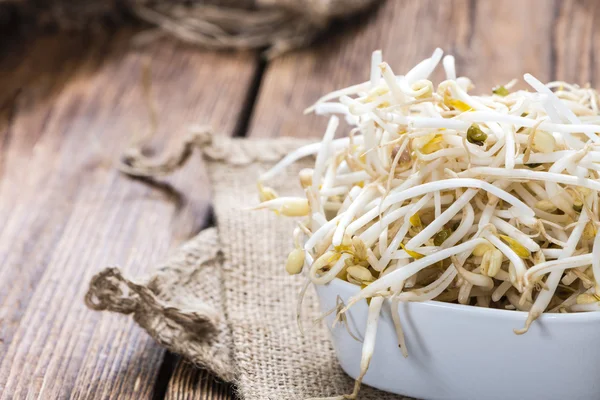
(71, 106)
(191, 383)
(576, 42)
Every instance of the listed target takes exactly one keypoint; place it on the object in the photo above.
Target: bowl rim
(468, 309)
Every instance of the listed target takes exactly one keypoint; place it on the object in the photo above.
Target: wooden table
(69, 104)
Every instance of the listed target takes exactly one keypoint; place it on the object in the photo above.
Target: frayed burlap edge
(196, 332)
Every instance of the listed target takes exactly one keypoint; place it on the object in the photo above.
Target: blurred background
(81, 81)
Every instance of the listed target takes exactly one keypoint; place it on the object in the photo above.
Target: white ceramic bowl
(470, 353)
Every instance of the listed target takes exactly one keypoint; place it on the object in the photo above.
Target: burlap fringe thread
(278, 25)
(192, 333)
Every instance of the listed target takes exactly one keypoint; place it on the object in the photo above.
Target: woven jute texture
(279, 25)
(224, 301)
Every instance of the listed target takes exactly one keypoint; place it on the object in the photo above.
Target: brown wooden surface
(71, 106)
(190, 383)
(68, 108)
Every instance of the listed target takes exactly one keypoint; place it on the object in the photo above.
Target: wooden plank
(191, 383)
(576, 41)
(70, 106)
(493, 42)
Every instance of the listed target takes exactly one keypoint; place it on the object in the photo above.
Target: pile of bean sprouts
(438, 194)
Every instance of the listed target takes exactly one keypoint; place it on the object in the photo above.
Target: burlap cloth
(224, 301)
(278, 25)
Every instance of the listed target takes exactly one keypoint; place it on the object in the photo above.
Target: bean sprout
(439, 194)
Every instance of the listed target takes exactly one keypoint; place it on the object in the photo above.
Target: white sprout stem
(319, 219)
(334, 191)
(336, 108)
(370, 332)
(417, 265)
(283, 203)
(373, 213)
(320, 234)
(529, 199)
(436, 195)
(416, 179)
(513, 232)
(463, 228)
(425, 250)
(475, 279)
(362, 199)
(490, 116)
(398, 325)
(324, 152)
(533, 175)
(328, 179)
(515, 260)
(558, 265)
(329, 275)
(552, 253)
(501, 290)
(509, 154)
(555, 193)
(545, 295)
(395, 243)
(575, 236)
(361, 87)
(538, 190)
(434, 123)
(304, 151)
(354, 192)
(373, 261)
(560, 235)
(372, 156)
(455, 183)
(358, 108)
(452, 152)
(432, 290)
(464, 293)
(516, 301)
(392, 83)
(488, 212)
(449, 67)
(538, 158)
(382, 241)
(442, 220)
(351, 178)
(391, 254)
(389, 217)
(459, 93)
(376, 59)
(556, 102)
(423, 69)
(596, 261)
(585, 307)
